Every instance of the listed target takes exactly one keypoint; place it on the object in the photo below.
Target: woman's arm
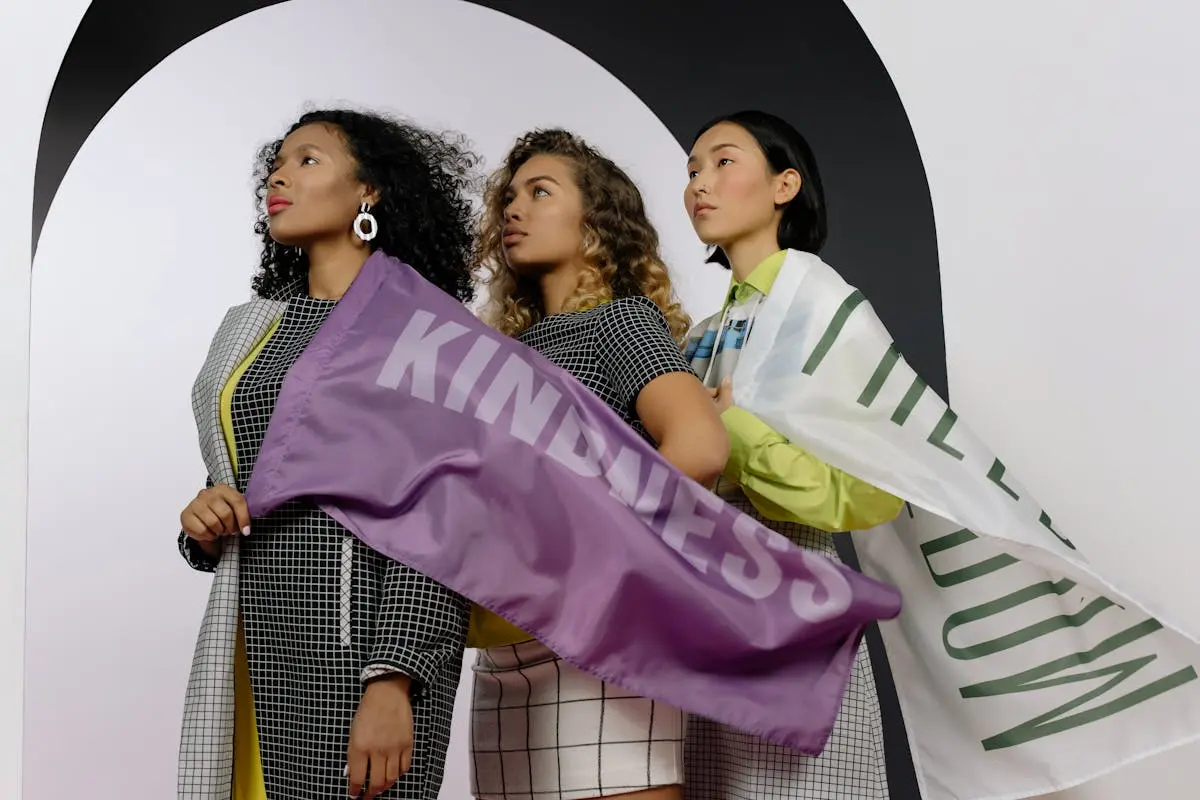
(788, 484)
(201, 556)
(198, 556)
(635, 350)
(679, 414)
(420, 633)
(421, 626)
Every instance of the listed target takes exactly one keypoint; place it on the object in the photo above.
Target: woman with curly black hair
(322, 666)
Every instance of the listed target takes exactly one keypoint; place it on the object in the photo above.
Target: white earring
(365, 217)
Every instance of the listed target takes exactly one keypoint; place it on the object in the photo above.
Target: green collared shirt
(784, 482)
(760, 279)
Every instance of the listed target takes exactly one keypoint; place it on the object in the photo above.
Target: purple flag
(466, 455)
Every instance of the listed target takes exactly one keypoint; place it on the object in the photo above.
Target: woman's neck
(332, 268)
(747, 253)
(557, 286)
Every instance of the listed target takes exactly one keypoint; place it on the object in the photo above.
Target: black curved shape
(116, 43)
(688, 63)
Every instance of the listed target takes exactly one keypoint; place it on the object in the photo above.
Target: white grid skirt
(543, 730)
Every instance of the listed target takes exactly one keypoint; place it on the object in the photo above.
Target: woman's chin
(283, 239)
(523, 267)
(705, 234)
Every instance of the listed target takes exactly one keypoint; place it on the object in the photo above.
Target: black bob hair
(803, 226)
(423, 214)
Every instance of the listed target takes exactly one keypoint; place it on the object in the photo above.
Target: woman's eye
(539, 191)
(724, 161)
(308, 160)
(692, 174)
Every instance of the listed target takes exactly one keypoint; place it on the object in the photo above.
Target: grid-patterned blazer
(206, 741)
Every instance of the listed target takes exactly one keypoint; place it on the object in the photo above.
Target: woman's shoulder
(636, 306)
(803, 259)
(635, 315)
(623, 316)
(256, 313)
(237, 312)
(813, 270)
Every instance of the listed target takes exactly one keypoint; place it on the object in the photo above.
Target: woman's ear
(787, 186)
(371, 197)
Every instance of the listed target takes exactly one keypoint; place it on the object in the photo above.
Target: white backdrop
(1059, 143)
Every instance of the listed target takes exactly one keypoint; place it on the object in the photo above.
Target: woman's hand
(216, 512)
(381, 737)
(723, 395)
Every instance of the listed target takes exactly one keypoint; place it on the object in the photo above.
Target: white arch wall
(1058, 138)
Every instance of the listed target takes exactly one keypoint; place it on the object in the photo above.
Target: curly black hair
(424, 216)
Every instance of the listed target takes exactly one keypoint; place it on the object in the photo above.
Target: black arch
(818, 70)
(809, 62)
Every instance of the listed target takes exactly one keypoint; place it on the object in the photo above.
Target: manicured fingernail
(246, 531)
(346, 771)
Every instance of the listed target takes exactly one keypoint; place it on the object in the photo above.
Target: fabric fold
(466, 455)
(1022, 669)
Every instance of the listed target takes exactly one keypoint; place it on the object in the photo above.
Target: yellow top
(492, 630)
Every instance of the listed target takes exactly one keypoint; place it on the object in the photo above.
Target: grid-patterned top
(257, 391)
(614, 349)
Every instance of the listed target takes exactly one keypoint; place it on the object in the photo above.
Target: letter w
(1053, 721)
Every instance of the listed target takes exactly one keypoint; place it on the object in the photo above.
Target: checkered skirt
(543, 730)
(726, 764)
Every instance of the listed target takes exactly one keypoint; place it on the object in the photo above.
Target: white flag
(1020, 670)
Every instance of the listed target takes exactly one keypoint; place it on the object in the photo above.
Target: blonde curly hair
(620, 245)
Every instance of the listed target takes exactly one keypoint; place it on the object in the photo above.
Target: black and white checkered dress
(541, 729)
(322, 613)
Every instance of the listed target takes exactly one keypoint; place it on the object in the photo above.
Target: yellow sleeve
(788, 484)
(492, 630)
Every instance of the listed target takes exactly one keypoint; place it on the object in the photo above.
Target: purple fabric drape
(464, 454)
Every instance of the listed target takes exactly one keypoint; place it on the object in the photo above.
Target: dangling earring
(365, 216)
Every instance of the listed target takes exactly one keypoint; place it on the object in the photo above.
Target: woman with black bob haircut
(323, 667)
(803, 222)
(755, 196)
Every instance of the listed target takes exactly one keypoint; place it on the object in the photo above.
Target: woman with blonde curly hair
(573, 270)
